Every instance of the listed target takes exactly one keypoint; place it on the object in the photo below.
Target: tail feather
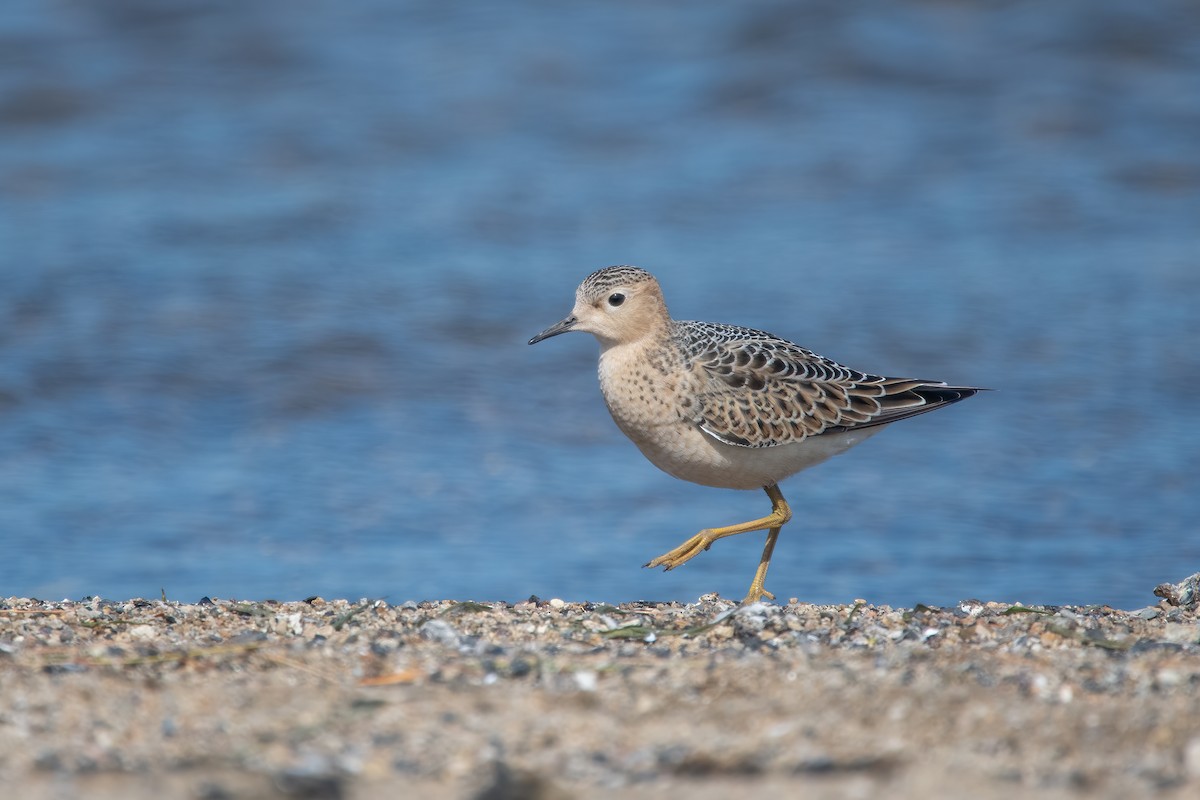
(911, 401)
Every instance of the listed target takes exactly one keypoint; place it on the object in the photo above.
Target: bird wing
(757, 390)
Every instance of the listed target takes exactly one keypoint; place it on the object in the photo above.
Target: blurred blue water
(268, 274)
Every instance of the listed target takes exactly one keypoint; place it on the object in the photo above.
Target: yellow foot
(780, 514)
(686, 551)
(757, 594)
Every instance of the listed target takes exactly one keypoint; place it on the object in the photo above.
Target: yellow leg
(780, 514)
(757, 592)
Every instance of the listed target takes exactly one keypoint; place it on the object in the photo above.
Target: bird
(727, 406)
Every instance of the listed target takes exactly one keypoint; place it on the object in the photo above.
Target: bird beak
(555, 329)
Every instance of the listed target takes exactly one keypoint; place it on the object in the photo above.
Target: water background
(267, 271)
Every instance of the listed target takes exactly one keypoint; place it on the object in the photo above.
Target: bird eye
(615, 299)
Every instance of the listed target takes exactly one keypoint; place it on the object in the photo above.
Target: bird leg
(757, 592)
(780, 514)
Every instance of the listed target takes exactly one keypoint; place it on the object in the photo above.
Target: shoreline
(553, 699)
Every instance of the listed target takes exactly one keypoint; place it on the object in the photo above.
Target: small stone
(213, 791)
(557, 603)
(1168, 678)
(511, 783)
(971, 608)
(1180, 633)
(442, 632)
(304, 782)
(1191, 758)
(142, 633)
(1184, 593)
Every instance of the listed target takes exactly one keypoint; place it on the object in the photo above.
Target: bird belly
(686, 452)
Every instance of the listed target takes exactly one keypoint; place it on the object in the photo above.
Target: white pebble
(1191, 758)
(586, 680)
(142, 632)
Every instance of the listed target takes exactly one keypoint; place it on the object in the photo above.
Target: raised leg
(780, 514)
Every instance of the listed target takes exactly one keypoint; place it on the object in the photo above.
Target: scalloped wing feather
(757, 390)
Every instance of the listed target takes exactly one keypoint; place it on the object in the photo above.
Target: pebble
(587, 680)
(677, 678)
(1191, 758)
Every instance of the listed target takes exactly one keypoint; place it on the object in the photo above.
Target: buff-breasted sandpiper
(726, 406)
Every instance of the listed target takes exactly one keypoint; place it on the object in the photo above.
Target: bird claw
(755, 597)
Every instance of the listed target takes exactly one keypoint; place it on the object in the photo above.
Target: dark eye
(616, 298)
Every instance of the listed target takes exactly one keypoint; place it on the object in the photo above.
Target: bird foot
(756, 594)
(685, 552)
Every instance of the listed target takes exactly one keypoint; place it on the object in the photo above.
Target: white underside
(689, 453)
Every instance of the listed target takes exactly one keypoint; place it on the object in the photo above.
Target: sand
(551, 699)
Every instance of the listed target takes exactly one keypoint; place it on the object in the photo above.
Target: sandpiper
(726, 406)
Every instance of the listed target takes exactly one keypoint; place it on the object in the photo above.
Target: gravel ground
(551, 699)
